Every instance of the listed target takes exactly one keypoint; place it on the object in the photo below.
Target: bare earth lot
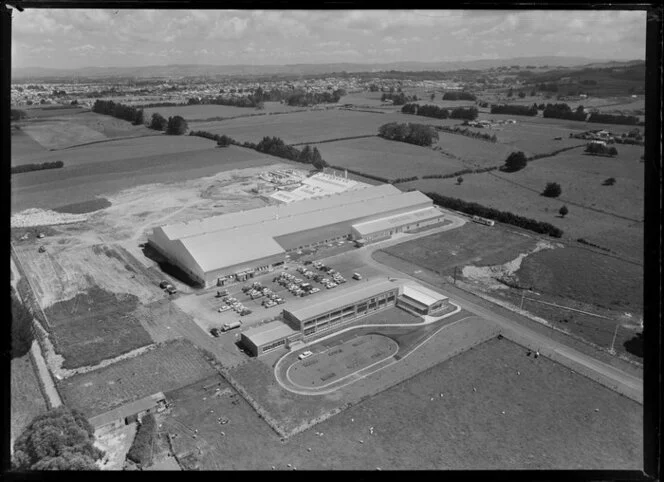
(168, 367)
(387, 159)
(549, 422)
(27, 400)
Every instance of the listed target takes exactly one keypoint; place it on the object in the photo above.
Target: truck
(306, 286)
(231, 326)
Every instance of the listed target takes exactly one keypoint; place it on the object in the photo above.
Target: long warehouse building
(235, 246)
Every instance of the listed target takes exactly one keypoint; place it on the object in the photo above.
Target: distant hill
(192, 70)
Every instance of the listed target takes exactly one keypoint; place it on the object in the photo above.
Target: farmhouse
(129, 412)
(307, 322)
(236, 246)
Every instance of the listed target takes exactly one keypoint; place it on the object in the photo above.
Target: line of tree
(629, 120)
(427, 110)
(505, 217)
(399, 180)
(164, 104)
(513, 109)
(121, 111)
(37, 167)
(418, 134)
(301, 98)
(458, 96)
(597, 149)
(551, 154)
(467, 113)
(60, 439)
(140, 451)
(564, 111)
(468, 133)
(244, 101)
(460, 173)
(22, 330)
(363, 174)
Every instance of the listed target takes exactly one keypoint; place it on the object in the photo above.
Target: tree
(224, 141)
(515, 162)
(459, 180)
(552, 189)
(433, 96)
(176, 126)
(635, 345)
(60, 439)
(522, 95)
(22, 329)
(306, 155)
(510, 93)
(563, 211)
(158, 122)
(609, 182)
(317, 159)
(138, 118)
(612, 151)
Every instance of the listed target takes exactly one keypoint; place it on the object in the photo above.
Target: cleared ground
(168, 367)
(387, 159)
(26, 400)
(549, 422)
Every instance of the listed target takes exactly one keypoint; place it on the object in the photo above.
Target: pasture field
(199, 113)
(581, 178)
(26, 400)
(23, 145)
(79, 183)
(501, 192)
(471, 243)
(586, 276)
(389, 159)
(167, 367)
(474, 152)
(311, 126)
(119, 150)
(558, 127)
(411, 426)
(366, 99)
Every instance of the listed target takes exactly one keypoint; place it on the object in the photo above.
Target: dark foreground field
(499, 409)
(27, 400)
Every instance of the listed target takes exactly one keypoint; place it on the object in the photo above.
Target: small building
(130, 412)
(270, 336)
(421, 300)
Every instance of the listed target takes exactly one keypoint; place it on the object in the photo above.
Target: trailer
(231, 326)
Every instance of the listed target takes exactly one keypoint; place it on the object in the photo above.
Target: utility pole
(455, 275)
(523, 295)
(615, 332)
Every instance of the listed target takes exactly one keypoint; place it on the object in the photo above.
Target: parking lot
(266, 296)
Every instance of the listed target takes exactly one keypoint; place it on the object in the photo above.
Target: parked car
(315, 290)
(325, 281)
(357, 276)
(245, 312)
(221, 309)
(280, 301)
(171, 289)
(307, 263)
(215, 332)
(305, 354)
(163, 284)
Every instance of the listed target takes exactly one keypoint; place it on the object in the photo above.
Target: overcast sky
(79, 38)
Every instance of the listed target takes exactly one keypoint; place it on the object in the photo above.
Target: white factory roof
(389, 222)
(241, 218)
(421, 294)
(268, 332)
(353, 293)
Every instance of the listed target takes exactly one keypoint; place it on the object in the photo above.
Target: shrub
(469, 113)
(158, 122)
(36, 167)
(614, 119)
(609, 182)
(22, 329)
(176, 126)
(224, 141)
(563, 211)
(141, 449)
(514, 109)
(458, 96)
(515, 162)
(552, 189)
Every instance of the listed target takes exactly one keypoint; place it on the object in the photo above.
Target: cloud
(83, 48)
(233, 28)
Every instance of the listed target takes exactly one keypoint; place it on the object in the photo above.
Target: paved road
(628, 384)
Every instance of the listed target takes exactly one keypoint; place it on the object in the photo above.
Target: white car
(304, 354)
(223, 308)
(315, 290)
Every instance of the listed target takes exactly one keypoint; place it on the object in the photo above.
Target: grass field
(549, 422)
(168, 367)
(499, 191)
(57, 134)
(23, 145)
(475, 152)
(388, 159)
(198, 113)
(472, 243)
(582, 275)
(119, 150)
(27, 400)
(95, 326)
(59, 187)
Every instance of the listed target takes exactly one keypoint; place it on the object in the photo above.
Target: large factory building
(238, 245)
